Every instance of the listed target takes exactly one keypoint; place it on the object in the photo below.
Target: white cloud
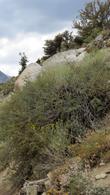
(30, 43)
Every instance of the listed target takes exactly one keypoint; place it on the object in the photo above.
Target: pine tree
(23, 62)
(93, 18)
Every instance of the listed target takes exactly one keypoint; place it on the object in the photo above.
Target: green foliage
(8, 87)
(23, 62)
(78, 41)
(58, 136)
(61, 42)
(81, 185)
(54, 111)
(78, 185)
(93, 19)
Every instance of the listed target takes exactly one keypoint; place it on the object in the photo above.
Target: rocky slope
(58, 180)
(66, 57)
(33, 70)
(29, 74)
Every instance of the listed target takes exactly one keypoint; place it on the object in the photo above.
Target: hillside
(3, 77)
(57, 118)
(55, 115)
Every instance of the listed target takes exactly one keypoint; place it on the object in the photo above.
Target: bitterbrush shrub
(64, 102)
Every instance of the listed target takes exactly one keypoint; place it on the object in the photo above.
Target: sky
(26, 24)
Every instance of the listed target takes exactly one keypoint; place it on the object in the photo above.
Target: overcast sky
(26, 24)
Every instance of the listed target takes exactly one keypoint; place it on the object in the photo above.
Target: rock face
(101, 176)
(62, 58)
(29, 74)
(100, 42)
(33, 187)
(66, 57)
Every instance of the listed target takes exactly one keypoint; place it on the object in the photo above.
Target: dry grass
(94, 148)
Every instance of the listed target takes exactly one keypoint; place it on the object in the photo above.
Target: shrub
(93, 19)
(81, 185)
(55, 110)
(94, 148)
(8, 87)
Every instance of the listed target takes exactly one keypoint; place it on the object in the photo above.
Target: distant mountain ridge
(3, 77)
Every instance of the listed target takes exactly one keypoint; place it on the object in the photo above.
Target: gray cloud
(26, 24)
(41, 16)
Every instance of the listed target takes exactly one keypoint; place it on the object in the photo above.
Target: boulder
(66, 57)
(33, 187)
(29, 74)
(63, 58)
(48, 184)
(99, 38)
(102, 163)
(101, 176)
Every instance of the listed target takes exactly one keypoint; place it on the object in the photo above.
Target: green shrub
(8, 87)
(81, 185)
(55, 110)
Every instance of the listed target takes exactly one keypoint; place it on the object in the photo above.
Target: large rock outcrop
(66, 57)
(29, 74)
(63, 58)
